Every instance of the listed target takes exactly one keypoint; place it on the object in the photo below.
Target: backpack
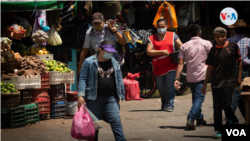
(126, 2)
(111, 8)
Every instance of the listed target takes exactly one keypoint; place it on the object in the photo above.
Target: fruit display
(52, 65)
(36, 51)
(15, 31)
(54, 37)
(30, 62)
(39, 38)
(8, 55)
(7, 88)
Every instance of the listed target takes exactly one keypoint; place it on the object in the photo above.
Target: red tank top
(162, 64)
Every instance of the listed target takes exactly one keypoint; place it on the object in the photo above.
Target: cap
(220, 30)
(97, 17)
(239, 23)
(108, 48)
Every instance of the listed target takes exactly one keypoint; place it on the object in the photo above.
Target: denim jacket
(87, 86)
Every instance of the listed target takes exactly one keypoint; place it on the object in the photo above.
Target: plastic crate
(57, 93)
(32, 113)
(67, 86)
(45, 84)
(10, 100)
(43, 103)
(18, 81)
(68, 77)
(40, 93)
(45, 76)
(45, 57)
(26, 96)
(55, 77)
(58, 110)
(5, 118)
(17, 117)
(33, 82)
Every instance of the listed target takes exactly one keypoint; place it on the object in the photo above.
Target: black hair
(194, 30)
(162, 20)
(240, 30)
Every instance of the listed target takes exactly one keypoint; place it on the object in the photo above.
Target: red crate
(67, 88)
(43, 103)
(40, 93)
(72, 96)
(45, 84)
(45, 76)
(57, 93)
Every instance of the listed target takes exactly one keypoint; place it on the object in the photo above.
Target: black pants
(222, 99)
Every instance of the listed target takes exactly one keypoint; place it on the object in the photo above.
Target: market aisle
(142, 121)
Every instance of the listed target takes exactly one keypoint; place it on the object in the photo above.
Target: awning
(30, 5)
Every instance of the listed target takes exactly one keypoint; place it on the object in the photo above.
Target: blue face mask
(161, 31)
(107, 55)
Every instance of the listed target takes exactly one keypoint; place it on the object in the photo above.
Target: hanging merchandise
(183, 15)
(15, 31)
(166, 11)
(40, 38)
(54, 37)
(55, 20)
(111, 8)
(129, 16)
(88, 7)
(41, 22)
(195, 12)
(126, 2)
(22, 22)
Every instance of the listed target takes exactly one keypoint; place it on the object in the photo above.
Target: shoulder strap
(91, 31)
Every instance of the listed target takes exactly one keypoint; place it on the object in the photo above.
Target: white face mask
(161, 30)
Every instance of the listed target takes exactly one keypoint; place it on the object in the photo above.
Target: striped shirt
(244, 45)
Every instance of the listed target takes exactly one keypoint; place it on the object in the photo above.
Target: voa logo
(236, 132)
(228, 16)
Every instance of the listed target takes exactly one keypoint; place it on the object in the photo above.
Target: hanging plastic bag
(166, 11)
(183, 15)
(82, 126)
(96, 121)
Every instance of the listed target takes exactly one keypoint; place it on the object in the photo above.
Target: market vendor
(94, 37)
(160, 46)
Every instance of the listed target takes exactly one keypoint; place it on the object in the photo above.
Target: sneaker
(217, 135)
(233, 123)
(201, 122)
(170, 109)
(190, 124)
(163, 108)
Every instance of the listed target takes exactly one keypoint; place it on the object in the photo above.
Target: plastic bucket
(71, 108)
(174, 57)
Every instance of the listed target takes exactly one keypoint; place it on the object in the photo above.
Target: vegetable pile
(7, 88)
(54, 37)
(8, 55)
(32, 66)
(52, 65)
(15, 31)
(40, 37)
(36, 51)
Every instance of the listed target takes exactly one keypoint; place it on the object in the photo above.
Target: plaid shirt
(244, 45)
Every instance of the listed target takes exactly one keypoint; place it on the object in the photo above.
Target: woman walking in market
(160, 46)
(101, 87)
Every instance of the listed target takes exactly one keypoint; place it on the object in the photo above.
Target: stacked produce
(36, 51)
(39, 38)
(15, 31)
(7, 88)
(52, 65)
(54, 37)
(31, 66)
(8, 55)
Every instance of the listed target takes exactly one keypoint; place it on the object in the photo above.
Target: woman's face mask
(107, 55)
(161, 30)
(98, 26)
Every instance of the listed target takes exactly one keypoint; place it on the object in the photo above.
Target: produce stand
(33, 84)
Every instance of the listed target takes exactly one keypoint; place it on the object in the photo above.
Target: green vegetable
(47, 69)
(13, 90)
(8, 91)
(9, 87)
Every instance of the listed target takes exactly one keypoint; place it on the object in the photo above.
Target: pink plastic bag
(82, 126)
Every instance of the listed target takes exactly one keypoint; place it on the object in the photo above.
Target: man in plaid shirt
(244, 46)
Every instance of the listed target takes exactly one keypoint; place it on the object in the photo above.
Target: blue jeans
(237, 98)
(197, 100)
(109, 106)
(165, 85)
